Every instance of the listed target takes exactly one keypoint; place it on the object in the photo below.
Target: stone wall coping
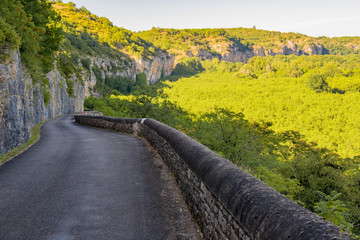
(261, 212)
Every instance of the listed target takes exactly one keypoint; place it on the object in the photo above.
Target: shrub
(70, 87)
(141, 79)
(86, 63)
(97, 72)
(8, 36)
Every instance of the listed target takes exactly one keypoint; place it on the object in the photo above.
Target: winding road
(79, 182)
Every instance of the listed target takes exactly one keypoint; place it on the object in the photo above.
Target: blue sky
(312, 17)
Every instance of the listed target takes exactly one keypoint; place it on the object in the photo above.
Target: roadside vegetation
(34, 138)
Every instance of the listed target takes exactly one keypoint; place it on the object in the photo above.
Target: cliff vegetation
(33, 28)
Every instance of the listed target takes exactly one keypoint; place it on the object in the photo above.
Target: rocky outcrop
(290, 48)
(204, 55)
(107, 67)
(231, 53)
(22, 102)
(314, 49)
(155, 67)
(235, 55)
(60, 101)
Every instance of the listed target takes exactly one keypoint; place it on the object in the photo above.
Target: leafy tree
(86, 63)
(188, 66)
(47, 23)
(97, 72)
(37, 25)
(9, 38)
(141, 79)
(317, 83)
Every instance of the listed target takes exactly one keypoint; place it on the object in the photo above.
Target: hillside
(240, 44)
(108, 56)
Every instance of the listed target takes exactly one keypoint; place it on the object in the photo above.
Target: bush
(141, 79)
(89, 103)
(47, 97)
(70, 87)
(97, 72)
(86, 63)
(334, 210)
(8, 36)
(65, 65)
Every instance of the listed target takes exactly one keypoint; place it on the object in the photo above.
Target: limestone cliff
(107, 67)
(228, 51)
(22, 102)
(155, 67)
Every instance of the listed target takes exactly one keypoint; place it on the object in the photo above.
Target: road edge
(33, 139)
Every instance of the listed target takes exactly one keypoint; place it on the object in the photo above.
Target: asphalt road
(79, 182)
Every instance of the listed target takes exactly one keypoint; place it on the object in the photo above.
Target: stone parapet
(226, 202)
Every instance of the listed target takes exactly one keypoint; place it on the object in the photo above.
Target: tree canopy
(34, 27)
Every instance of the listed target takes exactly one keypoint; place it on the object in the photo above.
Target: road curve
(79, 182)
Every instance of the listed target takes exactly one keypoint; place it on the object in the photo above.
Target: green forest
(291, 121)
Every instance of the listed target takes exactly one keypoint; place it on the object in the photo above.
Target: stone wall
(226, 202)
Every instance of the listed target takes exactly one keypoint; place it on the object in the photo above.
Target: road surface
(79, 182)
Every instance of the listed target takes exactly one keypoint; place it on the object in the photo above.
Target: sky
(332, 18)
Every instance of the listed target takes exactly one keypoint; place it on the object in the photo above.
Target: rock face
(231, 53)
(155, 67)
(107, 67)
(314, 49)
(22, 102)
